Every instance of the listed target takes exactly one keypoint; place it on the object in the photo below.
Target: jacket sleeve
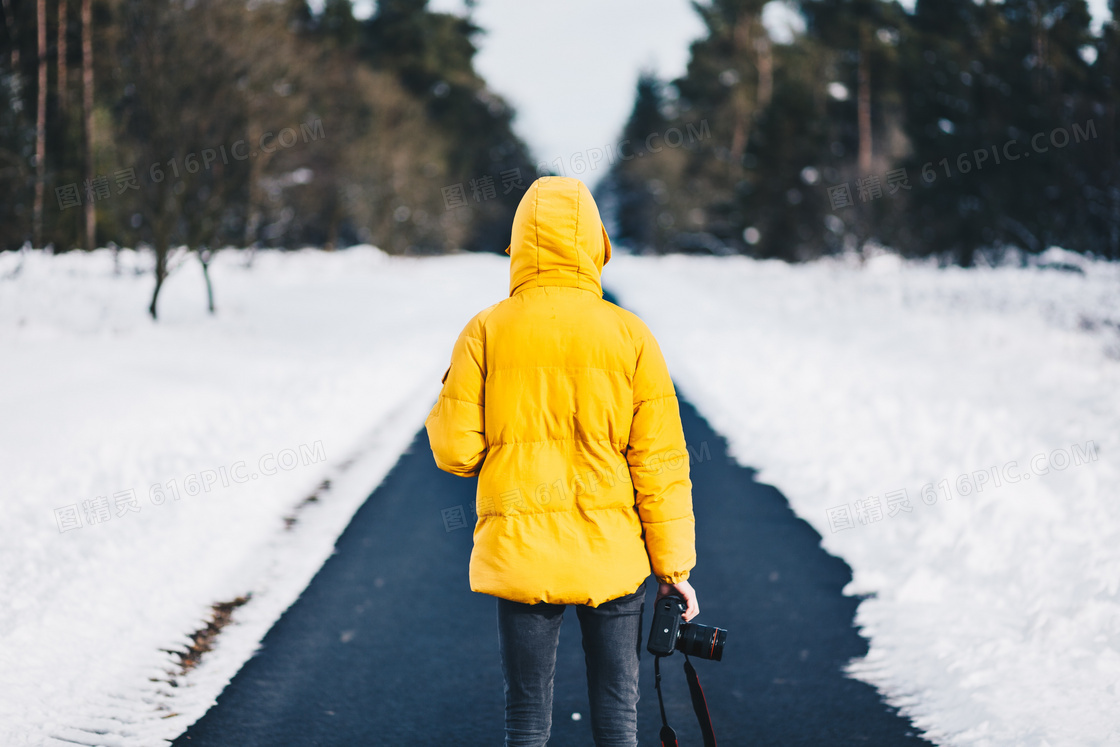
(658, 459)
(455, 424)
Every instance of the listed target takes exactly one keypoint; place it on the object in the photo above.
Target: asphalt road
(388, 645)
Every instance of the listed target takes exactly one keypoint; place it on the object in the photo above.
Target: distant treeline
(960, 130)
(215, 122)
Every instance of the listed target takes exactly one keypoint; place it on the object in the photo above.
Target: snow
(993, 617)
(319, 366)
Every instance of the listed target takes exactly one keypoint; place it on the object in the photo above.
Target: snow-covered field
(995, 618)
(317, 367)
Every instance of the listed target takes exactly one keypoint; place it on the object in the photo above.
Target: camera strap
(668, 736)
(699, 704)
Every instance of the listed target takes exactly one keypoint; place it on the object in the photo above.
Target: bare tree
(87, 113)
(204, 157)
(148, 118)
(863, 98)
(40, 125)
(60, 47)
(271, 96)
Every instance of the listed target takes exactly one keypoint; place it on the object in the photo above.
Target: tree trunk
(40, 126)
(87, 116)
(204, 257)
(161, 221)
(334, 217)
(1038, 42)
(10, 21)
(161, 271)
(740, 107)
(863, 102)
(1111, 176)
(256, 167)
(63, 99)
(765, 70)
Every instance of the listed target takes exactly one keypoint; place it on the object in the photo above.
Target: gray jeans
(612, 642)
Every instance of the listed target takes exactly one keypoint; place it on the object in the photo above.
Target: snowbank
(995, 615)
(995, 618)
(152, 470)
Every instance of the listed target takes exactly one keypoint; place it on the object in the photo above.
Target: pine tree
(637, 193)
(1102, 190)
(983, 81)
(337, 22)
(432, 54)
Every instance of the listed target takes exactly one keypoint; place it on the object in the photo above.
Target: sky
(570, 69)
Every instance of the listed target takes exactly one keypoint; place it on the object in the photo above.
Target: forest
(957, 129)
(963, 130)
(212, 123)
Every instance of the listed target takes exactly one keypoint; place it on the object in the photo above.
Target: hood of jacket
(558, 237)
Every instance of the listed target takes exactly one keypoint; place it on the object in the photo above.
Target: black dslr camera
(669, 632)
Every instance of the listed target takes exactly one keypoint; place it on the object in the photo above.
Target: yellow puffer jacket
(562, 404)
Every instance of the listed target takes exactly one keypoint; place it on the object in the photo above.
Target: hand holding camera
(684, 590)
(671, 631)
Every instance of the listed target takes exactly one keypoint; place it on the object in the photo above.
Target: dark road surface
(388, 645)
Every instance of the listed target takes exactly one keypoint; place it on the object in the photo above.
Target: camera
(669, 632)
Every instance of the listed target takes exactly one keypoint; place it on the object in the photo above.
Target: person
(561, 403)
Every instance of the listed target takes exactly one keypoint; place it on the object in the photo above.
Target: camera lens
(702, 641)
